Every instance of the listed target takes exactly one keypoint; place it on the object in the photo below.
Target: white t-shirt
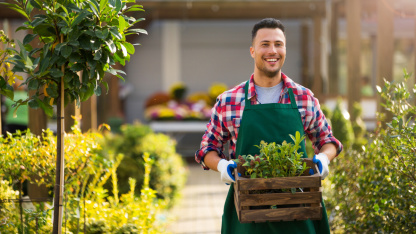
(269, 94)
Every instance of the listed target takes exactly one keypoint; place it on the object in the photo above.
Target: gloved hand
(226, 168)
(322, 161)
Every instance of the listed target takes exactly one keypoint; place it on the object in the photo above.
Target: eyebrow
(273, 41)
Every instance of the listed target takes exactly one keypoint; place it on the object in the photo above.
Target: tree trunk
(59, 177)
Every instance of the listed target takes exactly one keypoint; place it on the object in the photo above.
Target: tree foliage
(85, 37)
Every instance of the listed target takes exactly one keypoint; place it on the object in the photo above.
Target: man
(269, 107)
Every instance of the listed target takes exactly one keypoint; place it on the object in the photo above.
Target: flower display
(174, 105)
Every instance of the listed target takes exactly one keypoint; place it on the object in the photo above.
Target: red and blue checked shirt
(228, 110)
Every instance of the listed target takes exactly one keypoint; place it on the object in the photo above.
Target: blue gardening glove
(226, 168)
(322, 161)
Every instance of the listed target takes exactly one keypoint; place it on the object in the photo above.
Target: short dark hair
(266, 23)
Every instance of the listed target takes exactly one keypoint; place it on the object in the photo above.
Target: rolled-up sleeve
(216, 134)
(318, 129)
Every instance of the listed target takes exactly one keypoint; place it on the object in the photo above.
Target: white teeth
(271, 60)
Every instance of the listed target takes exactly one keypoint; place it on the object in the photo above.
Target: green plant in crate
(275, 160)
(373, 191)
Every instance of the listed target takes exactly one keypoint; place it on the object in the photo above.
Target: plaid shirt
(228, 110)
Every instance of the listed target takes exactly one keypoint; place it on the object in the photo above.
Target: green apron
(272, 122)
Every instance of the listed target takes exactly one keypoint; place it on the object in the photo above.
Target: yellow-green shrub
(168, 174)
(86, 171)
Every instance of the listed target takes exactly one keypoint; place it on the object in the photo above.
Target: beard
(269, 73)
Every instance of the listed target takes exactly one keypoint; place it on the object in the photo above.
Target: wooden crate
(252, 207)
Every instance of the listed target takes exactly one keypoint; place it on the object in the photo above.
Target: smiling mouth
(271, 60)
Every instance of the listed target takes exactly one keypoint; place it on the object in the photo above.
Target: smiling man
(273, 106)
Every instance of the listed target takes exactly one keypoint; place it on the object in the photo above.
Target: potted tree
(79, 41)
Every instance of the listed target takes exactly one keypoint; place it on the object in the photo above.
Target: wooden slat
(353, 53)
(385, 48)
(237, 203)
(280, 183)
(284, 214)
(333, 56)
(317, 85)
(280, 198)
(233, 9)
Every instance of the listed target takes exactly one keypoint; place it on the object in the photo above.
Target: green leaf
(85, 76)
(129, 47)
(101, 34)
(44, 30)
(88, 94)
(118, 5)
(114, 31)
(85, 42)
(48, 109)
(119, 76)
(123, 50)
(84, 13)
(75, 57)
(44, 64)
(6, 89)
(66, 51)
(95, 8)
(122, 23)
(76, 67)
(134, 9)
(136, 31)
(33, 104)
(35, 4)
(97, 91)
(33, 84)
(103, 4)
(28, 38)
(98, 55)
(71, 6)
(55, 72)
(74, 43)
(21, 28)
(106, 86)
(111, 46)
(52, 90)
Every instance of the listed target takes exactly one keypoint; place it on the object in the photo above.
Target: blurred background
(334, 47)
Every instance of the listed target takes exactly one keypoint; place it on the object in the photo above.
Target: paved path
(201, 206)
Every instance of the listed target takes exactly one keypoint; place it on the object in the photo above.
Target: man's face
(269, 51)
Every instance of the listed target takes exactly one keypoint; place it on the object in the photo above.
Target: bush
(373, 190)
(168, 172)
(341, 125)
(86, 172)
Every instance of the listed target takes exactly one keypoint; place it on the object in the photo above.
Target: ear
(252, 51)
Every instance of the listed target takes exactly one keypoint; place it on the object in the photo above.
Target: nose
(273, 49)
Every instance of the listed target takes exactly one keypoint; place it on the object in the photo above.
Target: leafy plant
(275, 160)
(7, 76)
(86, 199)
(373, 190)
(76, 36)
(341, 125)
(168, 173)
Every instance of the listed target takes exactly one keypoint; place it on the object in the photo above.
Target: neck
(265, 81)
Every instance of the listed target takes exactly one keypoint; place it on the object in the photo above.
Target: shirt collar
(287, 83)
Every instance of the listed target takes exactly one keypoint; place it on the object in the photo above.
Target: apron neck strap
(248, 102)
(292, 99)
(291, 96)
